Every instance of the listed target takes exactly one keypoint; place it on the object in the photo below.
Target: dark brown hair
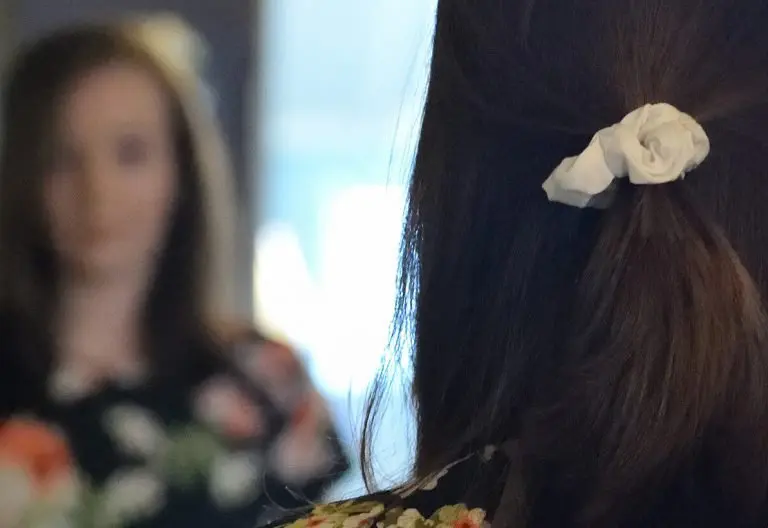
(175, 319)
(624, 352)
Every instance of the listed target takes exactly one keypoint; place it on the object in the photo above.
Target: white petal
(213, 400)
(235, 479)
(16, 495)
(65, 492)
(130, 496)
(409, 518)
(56, 521)
(136, 431)
(68, 384)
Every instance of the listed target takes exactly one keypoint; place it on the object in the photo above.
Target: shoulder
(359, 514)
(465, 494)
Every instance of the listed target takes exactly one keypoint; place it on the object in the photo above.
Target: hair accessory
(654, 144)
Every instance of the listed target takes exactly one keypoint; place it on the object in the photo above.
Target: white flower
(235, 479)
(298, 457)
(136, 431)
(21, 499)
(55, 521)
(222, 405)
(129, 496)
(68, 384)
(409, 518)
(276, 369)
(356, 521)
(64, 492)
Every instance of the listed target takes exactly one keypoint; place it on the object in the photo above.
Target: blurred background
(320, 102)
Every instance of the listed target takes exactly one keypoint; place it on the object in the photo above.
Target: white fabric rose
(652, 145)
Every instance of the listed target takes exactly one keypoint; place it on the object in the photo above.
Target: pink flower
(277, 369)
(302, 452)
(224, 406)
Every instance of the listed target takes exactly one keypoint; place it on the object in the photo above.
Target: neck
(100, 321)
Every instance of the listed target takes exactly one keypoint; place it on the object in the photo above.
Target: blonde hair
(182, 52)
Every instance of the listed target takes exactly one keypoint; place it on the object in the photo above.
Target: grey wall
(5, 30)
(228, 26)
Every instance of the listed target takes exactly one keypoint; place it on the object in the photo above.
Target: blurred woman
(585, 270)
(126, 401)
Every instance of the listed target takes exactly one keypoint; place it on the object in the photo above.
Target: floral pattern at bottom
(368, 514)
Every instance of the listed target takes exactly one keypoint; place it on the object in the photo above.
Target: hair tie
(654, 144)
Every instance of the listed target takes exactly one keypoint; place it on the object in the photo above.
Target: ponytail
(662, 388)
(665, 367)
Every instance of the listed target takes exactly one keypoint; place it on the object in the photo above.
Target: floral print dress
(464, 495)
(238, 449)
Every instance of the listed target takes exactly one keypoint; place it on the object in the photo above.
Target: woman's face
(112, 184)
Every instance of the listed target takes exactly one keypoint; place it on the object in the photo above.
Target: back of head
(623, 349)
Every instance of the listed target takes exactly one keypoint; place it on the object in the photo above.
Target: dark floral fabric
(237, 449)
